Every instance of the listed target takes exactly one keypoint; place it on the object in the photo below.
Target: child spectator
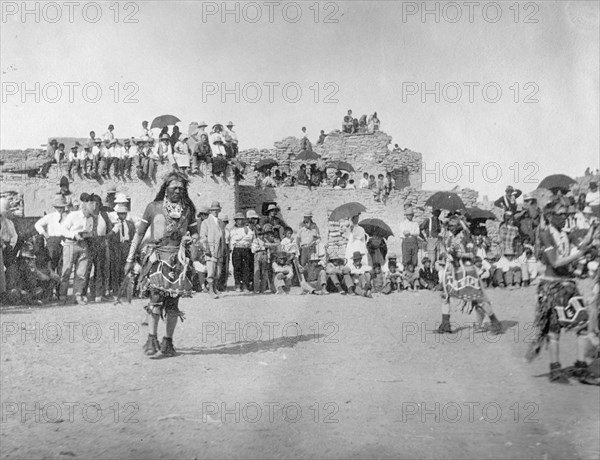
(364, 182)
(282, 274)
(389, 183)
(483, 270)
(261, 262)
(372, 182)
(429, 277)
(378, 279)
(393, 278)
(410, 278)
(358, 280)
(351, 185)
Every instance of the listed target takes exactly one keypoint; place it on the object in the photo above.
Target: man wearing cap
(409, 231)
(592, 197)
(508, 202)
(166, 266)
(121, 237)
(212, 237)
(273, 220)
(50, 227)
(232, 137)
(242, 236)
(308, 237)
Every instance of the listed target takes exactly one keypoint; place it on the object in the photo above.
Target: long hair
(186, 200)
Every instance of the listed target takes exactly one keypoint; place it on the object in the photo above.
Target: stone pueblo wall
(37, 194)
(294, 201)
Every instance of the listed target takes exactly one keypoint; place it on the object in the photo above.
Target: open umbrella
(376, 227)
(266, 163)
(164, 120)
(480, 214)
(308, 155)
(557, 181)
(445, 200)
(341, 166)
(347, 211)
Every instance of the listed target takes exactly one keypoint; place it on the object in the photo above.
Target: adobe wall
(38, 193)
(365, 152)
(294, 201)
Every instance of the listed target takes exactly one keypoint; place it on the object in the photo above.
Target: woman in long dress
(357, 240)
(377, 250)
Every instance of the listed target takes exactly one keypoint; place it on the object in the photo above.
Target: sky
(538, 62)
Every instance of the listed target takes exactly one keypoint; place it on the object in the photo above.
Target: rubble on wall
(16, 203)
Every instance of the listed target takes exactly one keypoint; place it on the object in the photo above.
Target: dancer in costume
(461, 281)
(166, 267)
(557, 286)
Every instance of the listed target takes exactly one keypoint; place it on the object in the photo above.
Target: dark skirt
(551, 293)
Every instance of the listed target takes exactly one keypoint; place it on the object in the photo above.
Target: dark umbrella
(341, 165)
(445, 200)
(557, 181)
(480, 214)
(307, 155)
(164, 120)
(376, 227)
(266, 164)
(347, 211)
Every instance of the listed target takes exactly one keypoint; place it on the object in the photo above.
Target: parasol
(476, 213)
(308, 155)
(557, 181)
(341, 166)
(266, 164)
(445, 200)
(376, 227)
(164, 120)
(347, 211)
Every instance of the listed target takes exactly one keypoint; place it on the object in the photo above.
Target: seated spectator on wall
(322, 137)
(592, 197)
(268, 181)
(364, 182)
(374, 123)
(347, 126)
(303, 176)
(355, 125)
(362, 124)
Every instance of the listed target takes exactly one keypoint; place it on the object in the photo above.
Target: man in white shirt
(50, 227)
(508, 270)
(77, 227)
(592, 197)
(241, 254)
(212, 237)
(109, 135)
(409, 232)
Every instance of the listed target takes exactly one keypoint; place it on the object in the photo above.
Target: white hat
(587, 210)
(121, 208)
(121, 198)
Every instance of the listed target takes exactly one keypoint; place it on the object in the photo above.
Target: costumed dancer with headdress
(166, 267)
(557, 287)
(461, 281)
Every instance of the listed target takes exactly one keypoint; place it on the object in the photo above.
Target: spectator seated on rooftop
(362, 124)
(268, 181)
(348, 125)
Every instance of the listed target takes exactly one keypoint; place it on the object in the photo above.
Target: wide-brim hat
(184, 136)
(111, 189)
(239, 216)
(217, 124)
(97, 141)
(251, 214)
(230, 123)
(225, 218)
(202, 124)
(121, 208)
(203, 210)
(509, 189)
(357, 255)
(121, 198)
(392, 255)
(215, 205)
(164, 136)
(74, 146)
(308, 214)
(59, 201)
(529, 197)
(272, 207)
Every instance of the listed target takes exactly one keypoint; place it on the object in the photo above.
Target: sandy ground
(288, 377)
